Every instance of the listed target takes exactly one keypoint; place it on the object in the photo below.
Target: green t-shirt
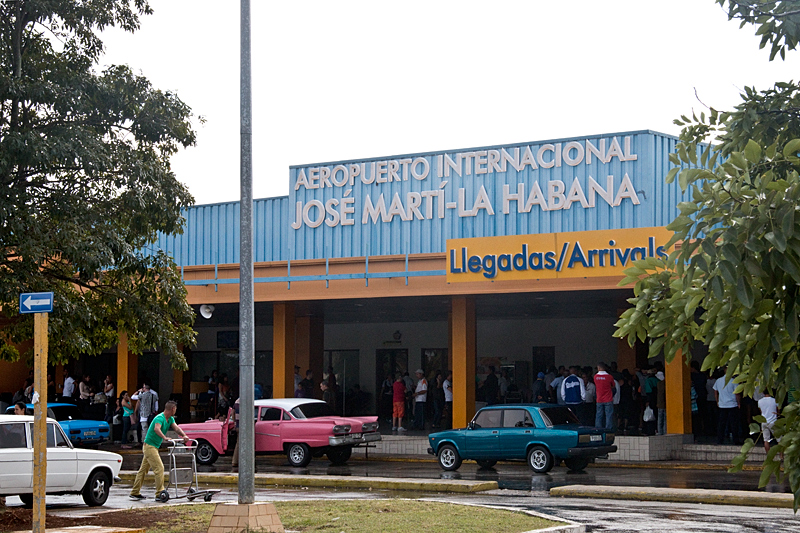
(152, 437)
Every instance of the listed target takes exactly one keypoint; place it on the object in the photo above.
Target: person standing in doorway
(145, 405)
(605, 388)
(327, 395)
(69, 388)
(447, 386)
(728, 402)
(156, 434)
(661, 403)
(398, 403)
(420, 399)
(438, 400)
(573, 390)
(769, 410)
(127, 416)
(491, 387)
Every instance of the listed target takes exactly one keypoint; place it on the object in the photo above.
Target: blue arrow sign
(36, 302)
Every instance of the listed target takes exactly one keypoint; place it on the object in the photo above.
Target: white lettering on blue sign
(393, 178)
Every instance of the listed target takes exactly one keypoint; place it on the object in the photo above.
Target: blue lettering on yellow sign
(489, 264)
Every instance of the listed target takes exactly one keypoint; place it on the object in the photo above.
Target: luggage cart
(181, 455)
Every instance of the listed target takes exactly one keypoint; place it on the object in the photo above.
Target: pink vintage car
(299, 427)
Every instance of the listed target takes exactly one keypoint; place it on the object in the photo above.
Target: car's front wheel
(27, 500)
(299, 454)
(449, 458)
(96, 490)
(540, 459)
(485, 463)
(576, 464)
(205, 453)
(339, 455)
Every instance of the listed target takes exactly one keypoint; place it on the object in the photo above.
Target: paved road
(597, 515)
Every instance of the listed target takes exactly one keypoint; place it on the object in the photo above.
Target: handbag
(649, 416)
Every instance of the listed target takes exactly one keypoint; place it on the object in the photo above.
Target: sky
(353, 80)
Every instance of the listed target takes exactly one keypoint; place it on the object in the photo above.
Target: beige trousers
(150, 460)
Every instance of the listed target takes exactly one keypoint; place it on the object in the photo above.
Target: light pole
(246, 308)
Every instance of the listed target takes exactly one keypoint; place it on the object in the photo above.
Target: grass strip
(368, 516)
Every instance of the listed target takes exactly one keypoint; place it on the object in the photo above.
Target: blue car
(541, 434)
(78, 430)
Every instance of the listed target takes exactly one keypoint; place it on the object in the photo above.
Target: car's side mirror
(471, 425)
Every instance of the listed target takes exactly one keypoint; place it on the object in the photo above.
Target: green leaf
(791, 148)
(744, 292)
(728, 271)
(752, 152)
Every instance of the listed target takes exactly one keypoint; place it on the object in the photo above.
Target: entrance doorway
(388, 363)
(349, 398)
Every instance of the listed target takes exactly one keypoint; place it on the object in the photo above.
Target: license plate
(89, 433)
(355, 435)
(596, 438)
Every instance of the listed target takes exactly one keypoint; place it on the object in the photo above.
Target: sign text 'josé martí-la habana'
(426, 187)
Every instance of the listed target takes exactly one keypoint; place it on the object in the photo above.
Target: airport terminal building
(507, 256)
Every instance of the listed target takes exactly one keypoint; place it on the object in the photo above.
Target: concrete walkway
(344, 482)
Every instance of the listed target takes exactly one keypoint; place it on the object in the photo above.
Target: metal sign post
(247, 461)
(40, 304)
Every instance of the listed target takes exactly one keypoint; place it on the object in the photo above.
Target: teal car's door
(482, 441)
(516, 433)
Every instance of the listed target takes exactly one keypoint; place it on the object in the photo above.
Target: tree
(734, 282)
(86, 184)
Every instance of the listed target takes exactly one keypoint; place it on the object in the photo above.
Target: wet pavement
(515, 476)
(596, 515)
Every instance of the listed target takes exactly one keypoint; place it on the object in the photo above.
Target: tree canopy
(734, 282)
(86, 184)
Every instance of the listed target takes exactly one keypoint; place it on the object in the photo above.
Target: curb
(89, 529)
(286, 480)
(663, 494)
(568, 527)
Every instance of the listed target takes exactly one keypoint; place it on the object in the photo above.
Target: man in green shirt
(152, 442)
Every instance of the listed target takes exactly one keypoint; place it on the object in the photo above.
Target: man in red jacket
(604, 383)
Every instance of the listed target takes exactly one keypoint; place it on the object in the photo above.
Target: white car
(69, 470)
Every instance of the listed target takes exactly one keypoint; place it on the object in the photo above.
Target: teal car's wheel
(449, 458)
(576, 464)
(485, 463)
(540, 459)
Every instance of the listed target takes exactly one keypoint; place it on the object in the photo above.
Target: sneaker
(401, 429)
(136, 497)
(394, 429)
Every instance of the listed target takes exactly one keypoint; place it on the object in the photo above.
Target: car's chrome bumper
(351, 440)
(591, 451)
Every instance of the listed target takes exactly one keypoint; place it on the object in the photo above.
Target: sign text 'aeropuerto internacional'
(412, 204)
(556, 255)
(388, 193)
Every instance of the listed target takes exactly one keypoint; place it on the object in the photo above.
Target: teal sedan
(541, 434)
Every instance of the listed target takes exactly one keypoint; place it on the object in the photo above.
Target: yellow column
(463, 341)
(310, 348)
(679, 401)
(127, 366)
(283, 350)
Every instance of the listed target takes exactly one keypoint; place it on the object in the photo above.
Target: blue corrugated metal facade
(211, 234)
(413, 203)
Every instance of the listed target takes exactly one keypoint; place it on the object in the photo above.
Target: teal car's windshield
(558, 416)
